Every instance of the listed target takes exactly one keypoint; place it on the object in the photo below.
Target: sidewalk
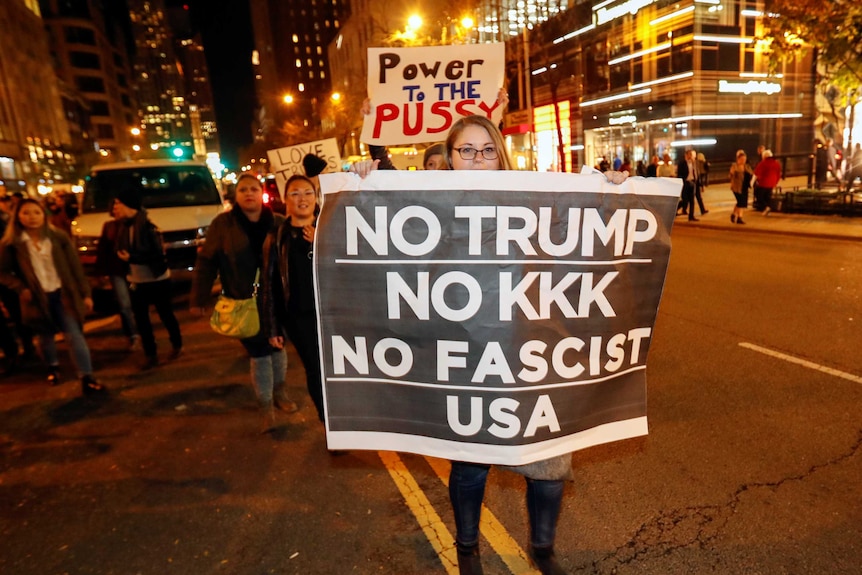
(719, 202)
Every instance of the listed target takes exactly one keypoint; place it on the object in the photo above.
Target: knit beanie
(129, 197)
(313, 165)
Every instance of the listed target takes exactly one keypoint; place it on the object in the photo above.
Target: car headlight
(202, 232)
(87, 243)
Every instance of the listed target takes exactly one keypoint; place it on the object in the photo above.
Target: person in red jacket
(767, 175)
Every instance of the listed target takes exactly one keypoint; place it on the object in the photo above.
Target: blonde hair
(481, 122)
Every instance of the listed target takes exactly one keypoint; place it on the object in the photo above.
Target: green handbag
(236, 317)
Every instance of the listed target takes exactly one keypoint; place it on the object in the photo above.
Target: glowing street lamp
(287, 99)
(414, 22)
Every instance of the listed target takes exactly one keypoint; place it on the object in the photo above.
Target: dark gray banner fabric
(492, 325)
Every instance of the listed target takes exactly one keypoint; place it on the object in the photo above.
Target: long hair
(482, 122)
(15, 229)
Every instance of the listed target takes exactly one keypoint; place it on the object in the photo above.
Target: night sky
(225, 26)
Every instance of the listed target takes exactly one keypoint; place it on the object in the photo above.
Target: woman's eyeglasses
(468, 153)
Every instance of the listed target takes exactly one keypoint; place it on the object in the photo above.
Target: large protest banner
(417, 93)
(489, 316)
(287, 161)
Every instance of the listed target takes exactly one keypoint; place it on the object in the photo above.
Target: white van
(180, 198)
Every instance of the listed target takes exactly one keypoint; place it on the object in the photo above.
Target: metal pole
(529, 97)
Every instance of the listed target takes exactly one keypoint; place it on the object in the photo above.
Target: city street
(753, 464)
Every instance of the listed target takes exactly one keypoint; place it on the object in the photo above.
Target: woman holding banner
(474, 143)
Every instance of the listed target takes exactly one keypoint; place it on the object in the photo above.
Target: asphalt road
(752, 465)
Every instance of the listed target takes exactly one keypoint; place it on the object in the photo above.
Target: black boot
(92, 388)
(545, 561)
(468, 559)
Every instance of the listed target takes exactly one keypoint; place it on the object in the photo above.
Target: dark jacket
(227, 253)
(107, 261)
(143, 240)
(16, 273)
(275, 280)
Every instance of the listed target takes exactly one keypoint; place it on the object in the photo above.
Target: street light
(287, 99)
(414, 22)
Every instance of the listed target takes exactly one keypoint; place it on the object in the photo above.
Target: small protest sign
(285, 162)
(417, 93)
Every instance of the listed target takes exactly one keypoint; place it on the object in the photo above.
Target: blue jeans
(121, 292)
(467, 490)
(68, 323)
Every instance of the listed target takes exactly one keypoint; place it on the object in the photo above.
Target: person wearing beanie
(139, 243)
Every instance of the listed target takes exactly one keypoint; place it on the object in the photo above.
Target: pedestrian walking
(109, 264)
(741, 175)
(686, 170)
(41, 265)
(139, 244)
(287, 291)
(11, 326)
(767, 174)
(233, 252)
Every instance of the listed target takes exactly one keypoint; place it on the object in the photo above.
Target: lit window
(298, 63)
(295, 38)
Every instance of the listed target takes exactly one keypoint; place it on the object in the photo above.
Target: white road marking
(802, 362)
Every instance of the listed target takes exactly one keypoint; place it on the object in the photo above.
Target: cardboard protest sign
(489, 316)
(285, 162)
(417, 93)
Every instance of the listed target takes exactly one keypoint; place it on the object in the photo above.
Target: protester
(12, 327)
(40, 263)
(139, 244)
(767, 174)
(233, 252)
(434, 157)
(287, 290)
(109, 264)
(741, 175)
(474, 143)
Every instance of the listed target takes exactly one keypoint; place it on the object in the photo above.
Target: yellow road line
(507, 548)
(436, 532)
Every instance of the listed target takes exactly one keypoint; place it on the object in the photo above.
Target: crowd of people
(254, 251)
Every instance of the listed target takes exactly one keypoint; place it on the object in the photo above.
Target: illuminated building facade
(90, 57)
(34, 132)
(163, 107)
(647, 77)
(290, 57)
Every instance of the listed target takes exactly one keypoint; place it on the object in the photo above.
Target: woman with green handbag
(233, 252)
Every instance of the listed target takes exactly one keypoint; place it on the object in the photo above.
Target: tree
(832, 29)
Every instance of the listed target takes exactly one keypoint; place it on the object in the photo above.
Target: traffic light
(178, 152)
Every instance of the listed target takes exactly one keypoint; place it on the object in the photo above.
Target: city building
(90, 57)
(164, 115)
(637, 78)
(34, 133)
(197, 87)
(290, 60)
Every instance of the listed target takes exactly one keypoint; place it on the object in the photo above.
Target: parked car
(180, 198)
